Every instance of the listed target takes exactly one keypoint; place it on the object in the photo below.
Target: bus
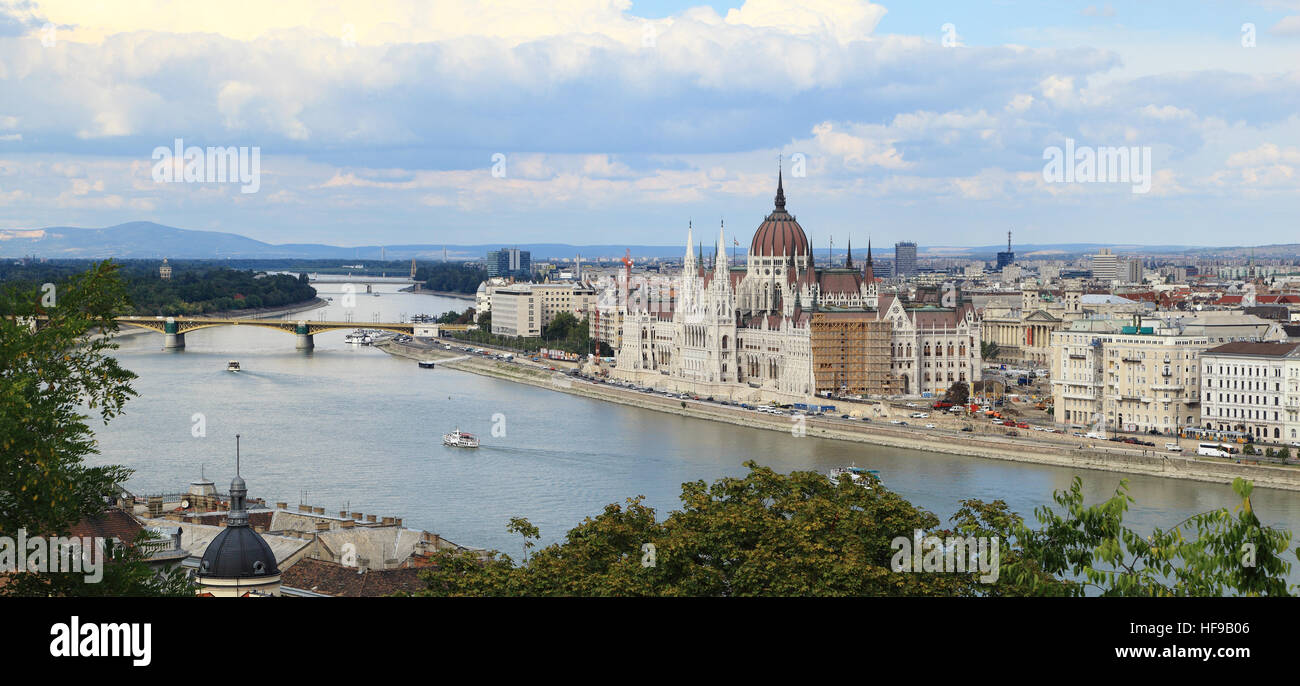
(1215, 450)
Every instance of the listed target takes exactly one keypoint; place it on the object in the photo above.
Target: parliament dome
(779, 235)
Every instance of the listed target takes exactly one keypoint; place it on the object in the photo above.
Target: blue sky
(622, 121)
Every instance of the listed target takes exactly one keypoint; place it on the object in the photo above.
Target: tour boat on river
(232, 366)
(460, 439)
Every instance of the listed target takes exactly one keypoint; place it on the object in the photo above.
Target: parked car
(966, 428)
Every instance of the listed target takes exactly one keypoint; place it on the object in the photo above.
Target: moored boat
(232, 366)
(856, 474)
(425, 364)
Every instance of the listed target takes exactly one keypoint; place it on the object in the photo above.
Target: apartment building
(1142, 373)
(524, 309)
(1126, 378)
(1253, 388)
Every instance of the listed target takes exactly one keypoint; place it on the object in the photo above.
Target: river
(352, 428)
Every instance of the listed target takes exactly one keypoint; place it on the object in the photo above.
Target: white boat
(359, 337)
(232, 366)
(856, 474)
(460, 439)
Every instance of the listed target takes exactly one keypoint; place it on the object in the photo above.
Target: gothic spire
(848, 261)
(780, 189)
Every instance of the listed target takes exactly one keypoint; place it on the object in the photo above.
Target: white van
(1212, 450)
(1173, 447)
(1095, 435)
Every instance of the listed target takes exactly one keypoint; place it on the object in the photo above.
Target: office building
(905, 259)
(509, 262)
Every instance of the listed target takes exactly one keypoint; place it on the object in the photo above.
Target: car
(966, 428)
(897, 421)
(913, 405)
(1013, 432)
(844, 416)
(866, 419)
(929, 426)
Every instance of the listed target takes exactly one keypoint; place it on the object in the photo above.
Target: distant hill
(146, 240)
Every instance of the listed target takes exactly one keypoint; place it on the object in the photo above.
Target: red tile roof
(331, 578)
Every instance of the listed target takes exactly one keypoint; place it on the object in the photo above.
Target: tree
(989, 350)
(47, 374)
(958, 393)
(799, 535)
(1088, 548)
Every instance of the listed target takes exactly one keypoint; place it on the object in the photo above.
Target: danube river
(347, 427)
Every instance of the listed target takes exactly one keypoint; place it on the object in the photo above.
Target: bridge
(359, 279)
(175, 328)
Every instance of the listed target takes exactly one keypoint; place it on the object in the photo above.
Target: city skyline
(514, 124)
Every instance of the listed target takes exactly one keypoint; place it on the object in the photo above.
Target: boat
(856, 474)
(359, 337)
(460, 439)
(232, 366)
(425, 364)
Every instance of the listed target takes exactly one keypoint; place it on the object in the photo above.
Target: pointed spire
(780, 188)
(722, 263)
(848, 261)
(868, 251)
(238, 515)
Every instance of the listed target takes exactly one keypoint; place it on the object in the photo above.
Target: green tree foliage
(195, 287)
(48, 374)
(451, 277)
(798, 535)
(1087, 549)
(989, 350)
(765, 534)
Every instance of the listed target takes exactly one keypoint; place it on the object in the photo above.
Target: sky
(617, 121)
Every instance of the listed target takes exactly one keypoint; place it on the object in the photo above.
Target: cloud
(1287, 26)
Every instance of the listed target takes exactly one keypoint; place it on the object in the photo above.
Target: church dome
(779, 234)
(238, 552)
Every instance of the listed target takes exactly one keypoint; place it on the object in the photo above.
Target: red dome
(779, 234)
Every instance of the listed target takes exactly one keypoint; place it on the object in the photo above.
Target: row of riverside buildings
(778, 327)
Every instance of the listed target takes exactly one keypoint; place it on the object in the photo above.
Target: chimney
(348, 524)
(370, 518)
(322, 526)
(398, 521)
(343, 514)
(387, 521)
(304, 508)
(356, 516)
(318, 510)
(282, 506)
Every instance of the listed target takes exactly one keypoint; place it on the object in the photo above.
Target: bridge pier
(173, 339)
(305, 340)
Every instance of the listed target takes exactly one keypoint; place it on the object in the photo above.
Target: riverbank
(444, 294)
(1056, 451)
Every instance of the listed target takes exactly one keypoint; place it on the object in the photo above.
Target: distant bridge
(175, 328)
(359, 279)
